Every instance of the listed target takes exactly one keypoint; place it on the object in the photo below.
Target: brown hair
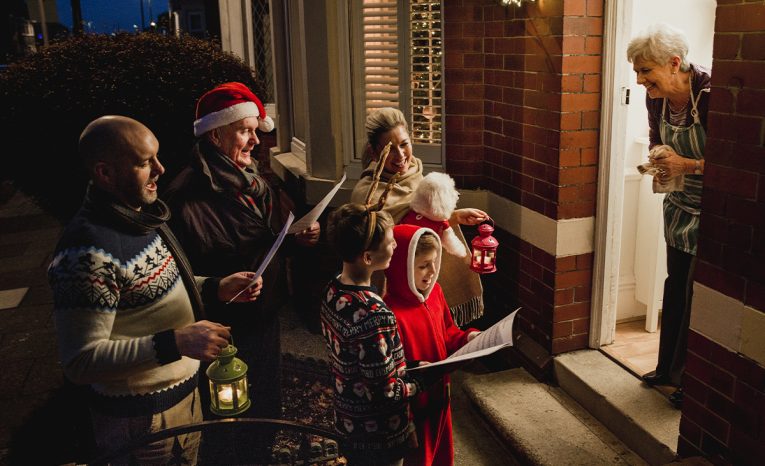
(427, 242)
(347, 230)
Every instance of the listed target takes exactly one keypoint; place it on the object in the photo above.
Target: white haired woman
(677, 98)
(461, 286)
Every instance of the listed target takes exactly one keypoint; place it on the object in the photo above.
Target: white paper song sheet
(490, 340)
(307, 220)
(269, 256)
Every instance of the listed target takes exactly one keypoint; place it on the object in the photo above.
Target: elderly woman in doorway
(462, 287)
(677, 98)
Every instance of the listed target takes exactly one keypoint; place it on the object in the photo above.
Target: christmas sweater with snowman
(367, 363)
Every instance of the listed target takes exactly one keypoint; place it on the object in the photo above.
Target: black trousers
(676, 314)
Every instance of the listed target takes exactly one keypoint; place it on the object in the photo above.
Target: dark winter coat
(222, 236)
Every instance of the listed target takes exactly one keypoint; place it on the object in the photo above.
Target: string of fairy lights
(425, 70)
(513, 2)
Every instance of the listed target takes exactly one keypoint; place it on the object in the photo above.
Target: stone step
(638, 415)
(542, 425)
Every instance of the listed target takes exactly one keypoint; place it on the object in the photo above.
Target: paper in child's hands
(487, 342)
(308, 219)
(269, 256)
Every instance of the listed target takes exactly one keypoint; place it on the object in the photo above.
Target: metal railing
(309, 452)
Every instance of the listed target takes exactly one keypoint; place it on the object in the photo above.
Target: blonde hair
(427, 242)
(347, 230)
(658, 43)
(381, 121)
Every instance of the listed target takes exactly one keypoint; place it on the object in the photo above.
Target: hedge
(49, 97)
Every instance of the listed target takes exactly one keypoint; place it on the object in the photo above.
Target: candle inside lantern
(485, 260)
(226, 394)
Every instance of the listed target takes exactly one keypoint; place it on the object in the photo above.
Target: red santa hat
(226, 104)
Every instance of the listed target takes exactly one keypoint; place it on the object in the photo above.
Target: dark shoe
(652, 378)
(676, 398)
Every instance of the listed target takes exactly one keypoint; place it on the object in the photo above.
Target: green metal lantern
(228, 384)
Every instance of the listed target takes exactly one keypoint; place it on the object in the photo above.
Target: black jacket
(222, 236)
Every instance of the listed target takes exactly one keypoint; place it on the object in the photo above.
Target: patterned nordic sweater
(367, 363)
(117, 298)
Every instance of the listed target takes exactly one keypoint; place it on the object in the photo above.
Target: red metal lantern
(484, 258)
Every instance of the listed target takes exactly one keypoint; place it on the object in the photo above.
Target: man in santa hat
(222, 214)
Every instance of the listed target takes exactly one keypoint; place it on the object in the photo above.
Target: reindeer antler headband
(373, 208)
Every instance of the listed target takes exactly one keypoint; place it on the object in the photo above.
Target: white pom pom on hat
(226, 104)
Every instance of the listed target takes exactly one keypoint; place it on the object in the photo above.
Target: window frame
(309, 81)
(430, 154)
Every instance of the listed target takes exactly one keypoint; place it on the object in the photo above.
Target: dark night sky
(108, 16)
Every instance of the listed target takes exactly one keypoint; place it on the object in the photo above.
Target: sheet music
(500, 333)
(307, 220)
(269, 256)
(493, 339)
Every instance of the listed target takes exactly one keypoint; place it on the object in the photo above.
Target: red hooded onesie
(428, 333)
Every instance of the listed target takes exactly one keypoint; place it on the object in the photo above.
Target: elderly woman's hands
(671, 166)
(309, 236)
(469, 216)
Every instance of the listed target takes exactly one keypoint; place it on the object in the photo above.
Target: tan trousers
(114, 432)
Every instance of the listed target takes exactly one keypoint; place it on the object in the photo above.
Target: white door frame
(608, 218)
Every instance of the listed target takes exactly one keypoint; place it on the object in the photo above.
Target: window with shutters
(396, 49)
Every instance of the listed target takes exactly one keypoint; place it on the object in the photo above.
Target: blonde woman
(462, 287)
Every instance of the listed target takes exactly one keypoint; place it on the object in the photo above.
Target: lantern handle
(488, 218)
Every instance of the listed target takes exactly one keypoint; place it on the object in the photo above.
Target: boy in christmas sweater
(372, 392)
(427, 333)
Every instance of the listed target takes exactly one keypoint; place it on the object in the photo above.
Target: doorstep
(541, 424)
(640, 416)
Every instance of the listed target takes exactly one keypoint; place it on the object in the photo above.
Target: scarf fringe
(467, 311)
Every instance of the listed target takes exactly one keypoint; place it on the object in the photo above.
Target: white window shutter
(381, 57)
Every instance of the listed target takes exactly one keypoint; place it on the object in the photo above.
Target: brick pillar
(724, 407)
(464, 91)
(536, 69)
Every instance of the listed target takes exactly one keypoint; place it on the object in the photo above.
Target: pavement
(31, 376)
(40, 419)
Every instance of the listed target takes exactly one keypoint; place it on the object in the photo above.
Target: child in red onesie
(427, 332)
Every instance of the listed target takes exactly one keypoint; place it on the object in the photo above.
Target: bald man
(127, 306)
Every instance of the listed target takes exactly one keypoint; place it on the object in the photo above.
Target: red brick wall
(522, 119)
(554, 293)
(571, 315)
(724, 405)
(464, 90)
(523, 101)
(725, 411)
